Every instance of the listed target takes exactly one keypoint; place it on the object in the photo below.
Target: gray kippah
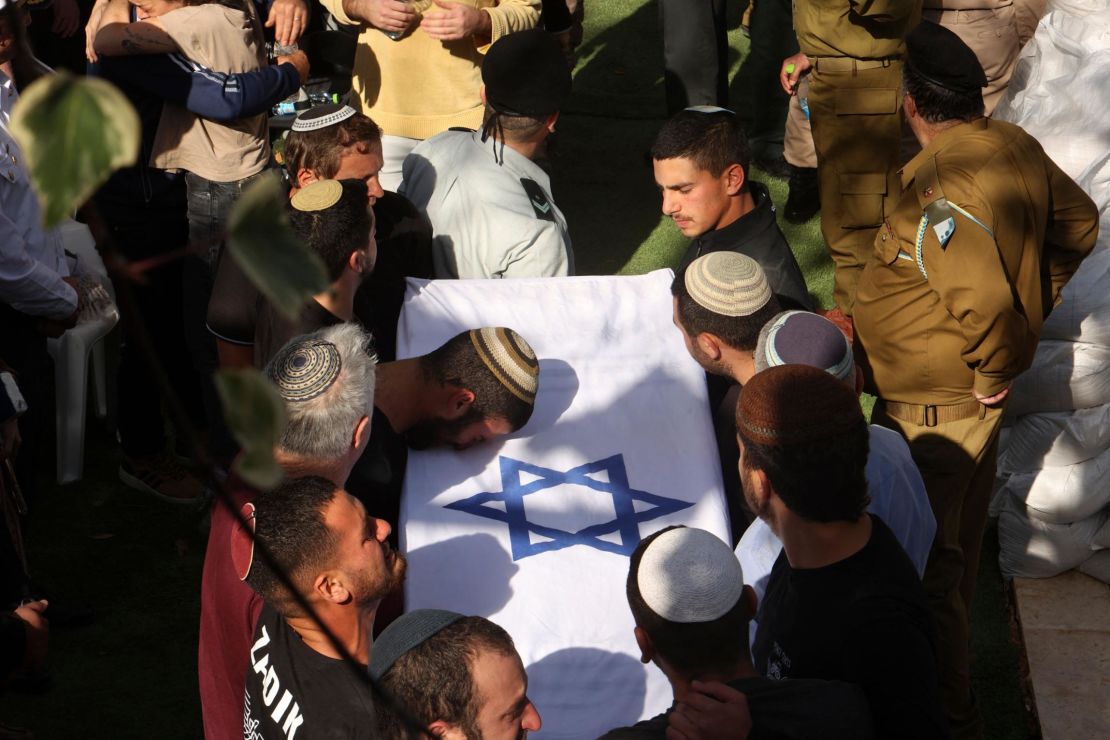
(728, 283)
(803, 338)
(687, 575)
(322, 116)
(303, 370)
(405, 633)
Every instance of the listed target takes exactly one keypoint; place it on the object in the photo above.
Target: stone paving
(1066, 626)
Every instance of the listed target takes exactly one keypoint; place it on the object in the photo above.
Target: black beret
(526, 74)
(941, 57)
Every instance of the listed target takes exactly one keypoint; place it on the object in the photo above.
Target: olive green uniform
(856, 49)
(935, 322)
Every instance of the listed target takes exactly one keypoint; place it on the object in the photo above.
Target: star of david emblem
(626, 520)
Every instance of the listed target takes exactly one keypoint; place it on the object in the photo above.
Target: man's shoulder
(984, 156)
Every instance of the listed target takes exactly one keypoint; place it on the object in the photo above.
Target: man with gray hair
(687, 594)
(894, 484)
(327, 381)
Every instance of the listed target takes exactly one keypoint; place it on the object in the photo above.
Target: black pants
(141, 232)
(773, 40)
(695, 53)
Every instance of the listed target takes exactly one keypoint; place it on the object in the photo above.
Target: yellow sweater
(418, 86)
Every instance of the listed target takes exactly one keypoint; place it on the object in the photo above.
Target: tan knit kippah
(317, 196)
(509, 358)
(795, 404)
(687, 575)
(728, 284)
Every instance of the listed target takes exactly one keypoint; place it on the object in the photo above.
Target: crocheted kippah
(322, 116)
(317, 196)
(304, 370)
(795, 404)
(405, 633)
(803, 338)
(728, 284)
(510, 359)
(687, 575)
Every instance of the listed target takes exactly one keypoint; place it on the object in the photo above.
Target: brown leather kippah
(795, 404)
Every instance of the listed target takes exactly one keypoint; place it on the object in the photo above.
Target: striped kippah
(510, 359)
(795, 404)
(317, 196)
(322, 116)
(304, 370)
(803, 338)
(687, 575)
(728, 283)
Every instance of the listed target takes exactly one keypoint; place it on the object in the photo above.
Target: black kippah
(941, 57)
(526, 74)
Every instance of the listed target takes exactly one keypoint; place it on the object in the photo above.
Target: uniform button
(928, 192)
(11, 175)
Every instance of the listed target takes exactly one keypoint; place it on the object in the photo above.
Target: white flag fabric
(534, 531)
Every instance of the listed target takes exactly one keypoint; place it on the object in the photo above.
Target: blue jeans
(210, 204)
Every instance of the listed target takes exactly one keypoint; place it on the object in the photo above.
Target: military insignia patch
(944, 230)
(542, 207)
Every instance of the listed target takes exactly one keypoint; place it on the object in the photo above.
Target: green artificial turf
(137, 560)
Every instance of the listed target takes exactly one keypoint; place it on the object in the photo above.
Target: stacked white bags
(1053, 497)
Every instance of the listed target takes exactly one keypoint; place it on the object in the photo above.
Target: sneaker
(804, 200)
(163, 476)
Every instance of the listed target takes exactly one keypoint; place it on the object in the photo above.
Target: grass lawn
(137, 561)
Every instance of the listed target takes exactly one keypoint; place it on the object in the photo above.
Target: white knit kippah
(687, 575)
(322, 116)
(728, 283)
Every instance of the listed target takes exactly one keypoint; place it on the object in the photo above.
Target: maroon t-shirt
(229, 610)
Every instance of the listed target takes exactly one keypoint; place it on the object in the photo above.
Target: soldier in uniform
(853, 53)
(985, 234)
(488, 202)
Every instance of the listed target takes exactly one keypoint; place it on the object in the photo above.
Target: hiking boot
(162, 476)
(804, 200)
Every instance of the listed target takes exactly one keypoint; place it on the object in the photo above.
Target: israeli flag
(534, 531)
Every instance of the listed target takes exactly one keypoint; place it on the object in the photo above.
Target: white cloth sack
(615, 380)
(1031, 548)
(1059, 94)
(1084, 311)
(1064, 376)
(1064, 494)
(1055, 439)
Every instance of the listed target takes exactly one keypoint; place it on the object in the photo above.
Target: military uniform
(985, 235)
(855, 103)
(490, 208)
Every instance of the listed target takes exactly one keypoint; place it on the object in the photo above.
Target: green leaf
(255, 415)
(74, 133)
(286, 271)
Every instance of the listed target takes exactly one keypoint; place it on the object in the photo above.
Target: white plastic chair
(71, 353)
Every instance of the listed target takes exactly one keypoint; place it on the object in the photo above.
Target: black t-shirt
(273, 329)
(377, 477)
(404, 250)
(783, 710)
(294, 691)
(864, 620)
